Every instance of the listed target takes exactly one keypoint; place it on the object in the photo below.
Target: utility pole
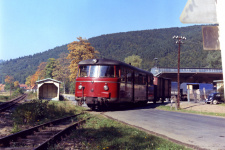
(179, 42)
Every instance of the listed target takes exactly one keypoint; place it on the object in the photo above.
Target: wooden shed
(48, 89)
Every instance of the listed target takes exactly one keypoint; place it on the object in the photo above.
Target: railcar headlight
(80, 87)
(106, 88)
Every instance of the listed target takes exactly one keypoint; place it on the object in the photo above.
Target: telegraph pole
(179, 41)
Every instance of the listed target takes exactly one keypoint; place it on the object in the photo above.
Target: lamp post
(179, 41)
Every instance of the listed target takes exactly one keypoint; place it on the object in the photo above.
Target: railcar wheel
(215, 102)
(92, 107)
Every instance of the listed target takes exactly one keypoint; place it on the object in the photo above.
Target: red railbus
(102, 83)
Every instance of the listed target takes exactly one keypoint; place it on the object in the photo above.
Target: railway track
(6, 105)
(42, 136)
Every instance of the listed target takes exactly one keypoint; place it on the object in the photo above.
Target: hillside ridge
(148, 44)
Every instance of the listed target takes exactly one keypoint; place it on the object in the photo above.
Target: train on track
(104, 83)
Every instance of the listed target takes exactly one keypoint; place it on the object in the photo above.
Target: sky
(33, 26)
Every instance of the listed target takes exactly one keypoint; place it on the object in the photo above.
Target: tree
(79, 50)
(134, 60)
(214, 59)
(16, 84)
(49, 68)
(39, 74)
(61, 71)
(9, 83)
(28, 81)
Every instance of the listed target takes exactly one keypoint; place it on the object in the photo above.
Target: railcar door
(126, 85)
(140, 87)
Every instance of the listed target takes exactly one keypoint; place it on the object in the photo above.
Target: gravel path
(202, 107)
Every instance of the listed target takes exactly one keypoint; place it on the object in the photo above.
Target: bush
(41, 111)
(5, 98)
(17, 92)
(30, 112)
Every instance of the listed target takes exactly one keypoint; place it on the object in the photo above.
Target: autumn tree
(9, 83)
(39, 74)
(61, 71)
(16, 84)
(134, 60)
(79, 50)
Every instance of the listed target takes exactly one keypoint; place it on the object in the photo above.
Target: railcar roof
(109, 62)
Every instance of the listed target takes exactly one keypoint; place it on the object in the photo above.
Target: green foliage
(134, 60)
(214, 59)
(22, 67)
(49, 68)
(31, 95)
(168, 108)
(17, 92)
(30, 112)
(4, 98)
(36, 111)
(9, 86)
(72, 88)
(15, 128)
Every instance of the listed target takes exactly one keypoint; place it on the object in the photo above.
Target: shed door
(49, 90)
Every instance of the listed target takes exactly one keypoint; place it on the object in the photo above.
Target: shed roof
(48, 79)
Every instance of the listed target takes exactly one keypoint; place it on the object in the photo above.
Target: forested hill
(148, 44)
(22, 67)
(158, 43)
(1, 60)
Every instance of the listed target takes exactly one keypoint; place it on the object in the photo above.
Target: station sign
(210, 36)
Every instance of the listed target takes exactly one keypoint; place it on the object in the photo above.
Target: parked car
(213, 98)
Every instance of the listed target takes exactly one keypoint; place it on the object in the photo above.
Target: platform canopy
(189, 75)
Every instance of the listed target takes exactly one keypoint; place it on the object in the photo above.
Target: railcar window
(106, 71)
(140, 79)
(129, 77)
(98, 71)
(144, 80)
(136, 78)
(123, 75)
(117, 71)
(94, 71)
(150, 80)
(83, 71)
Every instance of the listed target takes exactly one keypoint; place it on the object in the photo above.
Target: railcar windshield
(98, 71)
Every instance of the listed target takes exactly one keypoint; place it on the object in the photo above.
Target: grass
(167, 108)
(4, 96)
(7, 93)
(98, 132)
(103, 133)
(223, 104)
(39, 111)
(32, 95)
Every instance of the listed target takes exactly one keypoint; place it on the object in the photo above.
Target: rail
(6, 105)
(23, 139)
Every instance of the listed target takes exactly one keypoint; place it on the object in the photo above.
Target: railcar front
(97, 83)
